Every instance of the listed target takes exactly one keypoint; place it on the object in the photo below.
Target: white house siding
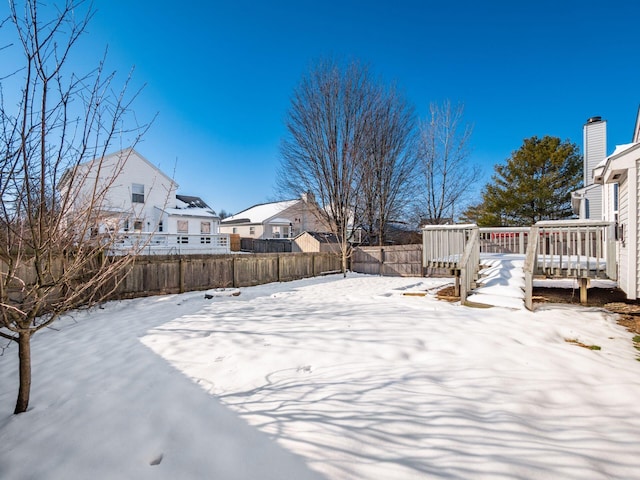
(131, 169)
(245, 231)
(623, 261)
(593, 204)
(595, 148)
(637, 228)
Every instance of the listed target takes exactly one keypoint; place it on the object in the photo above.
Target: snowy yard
(325, 378)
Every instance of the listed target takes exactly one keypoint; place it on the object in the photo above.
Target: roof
(190, 212)
(192, 201)
(321, 237)
(190, 206)
(261, 213)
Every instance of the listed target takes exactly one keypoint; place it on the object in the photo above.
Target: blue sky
(220, 73)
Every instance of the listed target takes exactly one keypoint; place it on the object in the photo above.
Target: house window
(137, 193)
(160, 226)
(205, 228)
(234, 230)
(126, 225)
(615, 197)
(183, 226)
(182, 240)
(205, 239)
(252, 230)
(137, 226)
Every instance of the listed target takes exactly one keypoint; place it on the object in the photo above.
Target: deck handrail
(504, 239)
(529, 267)
(454, 247)
(444, 245)
(469, 264)
(162, 243)
(580, 249)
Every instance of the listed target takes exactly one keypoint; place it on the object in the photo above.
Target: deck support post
(584, 285)
(456, 288)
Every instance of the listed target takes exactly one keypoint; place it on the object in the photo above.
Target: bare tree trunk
(55, 176)
(24, 355)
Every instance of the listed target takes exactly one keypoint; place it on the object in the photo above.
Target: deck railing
(504, 239)
(456, 248)
(580, 249)
(169, 244)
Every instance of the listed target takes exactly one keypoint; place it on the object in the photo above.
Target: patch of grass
(636, 339)
(575, 341)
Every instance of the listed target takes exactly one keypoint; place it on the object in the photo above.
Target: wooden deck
(580, 249)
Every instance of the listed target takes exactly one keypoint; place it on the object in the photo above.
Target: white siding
(595, 148)
(623, 261)
(637, 232)
(118, 173)
(243, 230)
(594, 204)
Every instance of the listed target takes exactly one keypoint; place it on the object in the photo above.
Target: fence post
(233, 271)
(278, 269)
(181, 275)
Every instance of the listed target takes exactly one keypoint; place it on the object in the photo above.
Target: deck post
(584, 284)
(456, 287)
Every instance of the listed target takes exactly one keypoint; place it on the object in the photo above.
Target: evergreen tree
(535, 184)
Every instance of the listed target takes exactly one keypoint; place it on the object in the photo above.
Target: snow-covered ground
(325, 378)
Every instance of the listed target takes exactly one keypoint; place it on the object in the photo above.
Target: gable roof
(260, 213)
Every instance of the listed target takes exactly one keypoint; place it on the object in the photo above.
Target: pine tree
(535, 184)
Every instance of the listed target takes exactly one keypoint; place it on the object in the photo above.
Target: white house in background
(285, 219)
(141, 207)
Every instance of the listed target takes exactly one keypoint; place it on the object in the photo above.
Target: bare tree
(53, 183)
(387, 176)
(327, 142)
(444, 156)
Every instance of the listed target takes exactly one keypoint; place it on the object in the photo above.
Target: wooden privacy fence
(160, 274)
(155, 275)
(396, 260)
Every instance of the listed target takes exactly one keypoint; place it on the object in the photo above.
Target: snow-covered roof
(189, 201)
(190, 212)
(261, 213)
(189, 206)
(620, 149)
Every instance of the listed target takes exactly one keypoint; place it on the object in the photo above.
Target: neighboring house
(140, 206)
(618, 174)
(285, 219)
(315, 242)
